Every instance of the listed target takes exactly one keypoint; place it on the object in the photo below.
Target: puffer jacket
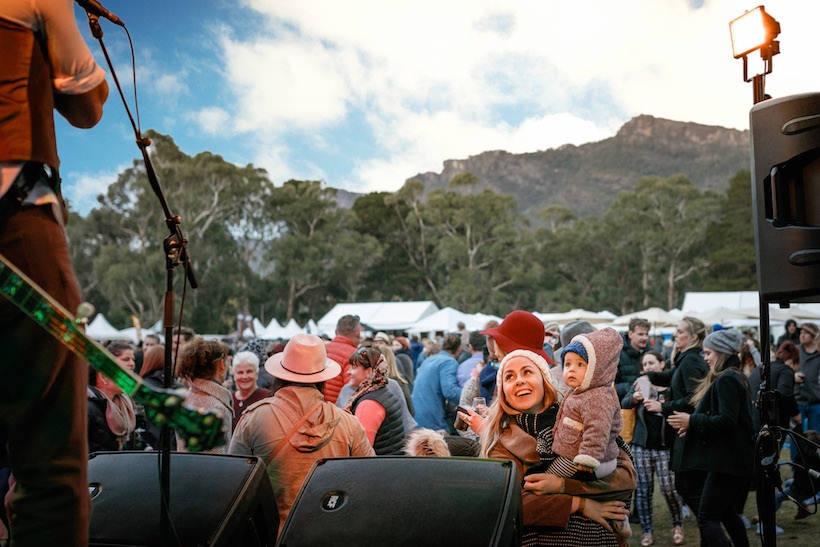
(390, 436)
(339, 349)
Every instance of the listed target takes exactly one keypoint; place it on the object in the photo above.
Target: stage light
(754, 30)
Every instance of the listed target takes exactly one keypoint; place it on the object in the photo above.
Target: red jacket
(339, 349)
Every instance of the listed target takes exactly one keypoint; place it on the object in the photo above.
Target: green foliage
(290, 251)
(730, 241)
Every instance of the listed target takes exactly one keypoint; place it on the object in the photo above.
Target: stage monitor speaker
(406, 501)
(786, 197)
(214, 500)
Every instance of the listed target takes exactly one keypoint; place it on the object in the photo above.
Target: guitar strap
(302, 420)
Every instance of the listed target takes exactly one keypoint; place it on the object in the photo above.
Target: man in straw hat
(296, 427)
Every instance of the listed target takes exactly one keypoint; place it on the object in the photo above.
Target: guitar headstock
(201, 430)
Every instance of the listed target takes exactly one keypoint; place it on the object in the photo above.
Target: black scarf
(540, 426)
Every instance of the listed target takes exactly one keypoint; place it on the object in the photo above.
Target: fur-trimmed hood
(603, 348)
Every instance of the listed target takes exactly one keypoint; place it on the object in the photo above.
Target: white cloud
(85, 187)
(211, 120)
(438, 80)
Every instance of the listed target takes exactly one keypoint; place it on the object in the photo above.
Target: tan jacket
(330, 432)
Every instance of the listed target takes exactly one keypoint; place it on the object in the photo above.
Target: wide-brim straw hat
(304, 361)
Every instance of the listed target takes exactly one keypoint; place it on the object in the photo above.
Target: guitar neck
(58, 322)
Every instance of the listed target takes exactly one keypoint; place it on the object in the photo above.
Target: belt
(30, 174)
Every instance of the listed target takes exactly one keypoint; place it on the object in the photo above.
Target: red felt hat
(520, 330)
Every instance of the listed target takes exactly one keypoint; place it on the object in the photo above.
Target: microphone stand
(767, 443)
(176, 253)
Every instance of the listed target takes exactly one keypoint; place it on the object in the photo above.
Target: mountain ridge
(586, 178)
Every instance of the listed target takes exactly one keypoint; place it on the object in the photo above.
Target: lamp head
(753, 30)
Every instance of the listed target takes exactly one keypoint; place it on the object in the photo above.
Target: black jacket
(682, 379)
(629, 367)
(651, 429)
(100, 437)
(720, 436)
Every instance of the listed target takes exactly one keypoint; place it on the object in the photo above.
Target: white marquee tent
(100, 329)
(386, 316)
(447, 319)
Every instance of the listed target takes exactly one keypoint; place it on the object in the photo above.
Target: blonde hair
(706, 382)
(696, 328)
(390, 360)
(498, 418)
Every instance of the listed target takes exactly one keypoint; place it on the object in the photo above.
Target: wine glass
(480, 406)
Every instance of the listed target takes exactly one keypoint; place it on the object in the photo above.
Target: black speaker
(214, 500)
(406, 501)
(786, 197)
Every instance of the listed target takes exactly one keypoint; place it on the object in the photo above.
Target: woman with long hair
(393, 372)
(716, 461)
(519, 427)
(203, 368)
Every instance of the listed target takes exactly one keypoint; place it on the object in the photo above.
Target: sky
(365, 94)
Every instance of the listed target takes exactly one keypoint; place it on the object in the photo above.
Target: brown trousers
(43, 422)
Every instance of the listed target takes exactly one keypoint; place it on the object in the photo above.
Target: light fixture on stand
(755, 30)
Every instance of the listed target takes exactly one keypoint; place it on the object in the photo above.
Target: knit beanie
(728, 341)
(577, 348)
(535, 359)
(571, 330)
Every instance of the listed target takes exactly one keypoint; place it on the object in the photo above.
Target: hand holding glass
(480, 406)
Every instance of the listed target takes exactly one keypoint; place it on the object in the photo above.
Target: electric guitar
(200, 430)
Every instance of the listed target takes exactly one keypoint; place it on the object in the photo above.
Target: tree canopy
(291, 251)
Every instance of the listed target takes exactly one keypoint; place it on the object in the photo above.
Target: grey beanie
(571, 330)
(726, 341)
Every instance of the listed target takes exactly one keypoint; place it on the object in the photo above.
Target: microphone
(92, 7)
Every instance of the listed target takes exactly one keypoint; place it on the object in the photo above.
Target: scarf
(540, 426)
(120, 417)
(377, 379)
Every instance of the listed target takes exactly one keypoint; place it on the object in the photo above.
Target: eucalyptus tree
(482, 248)
(664, 223)
(469, 248)
(390, 276)
(417, 240)
(214, 200)
(731, 241)
(574, 257)
(316, 255)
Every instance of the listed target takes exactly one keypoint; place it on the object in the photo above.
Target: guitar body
(200, 430)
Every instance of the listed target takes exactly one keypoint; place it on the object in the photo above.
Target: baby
(589, 418)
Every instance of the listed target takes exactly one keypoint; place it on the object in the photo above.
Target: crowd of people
(591, 417)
